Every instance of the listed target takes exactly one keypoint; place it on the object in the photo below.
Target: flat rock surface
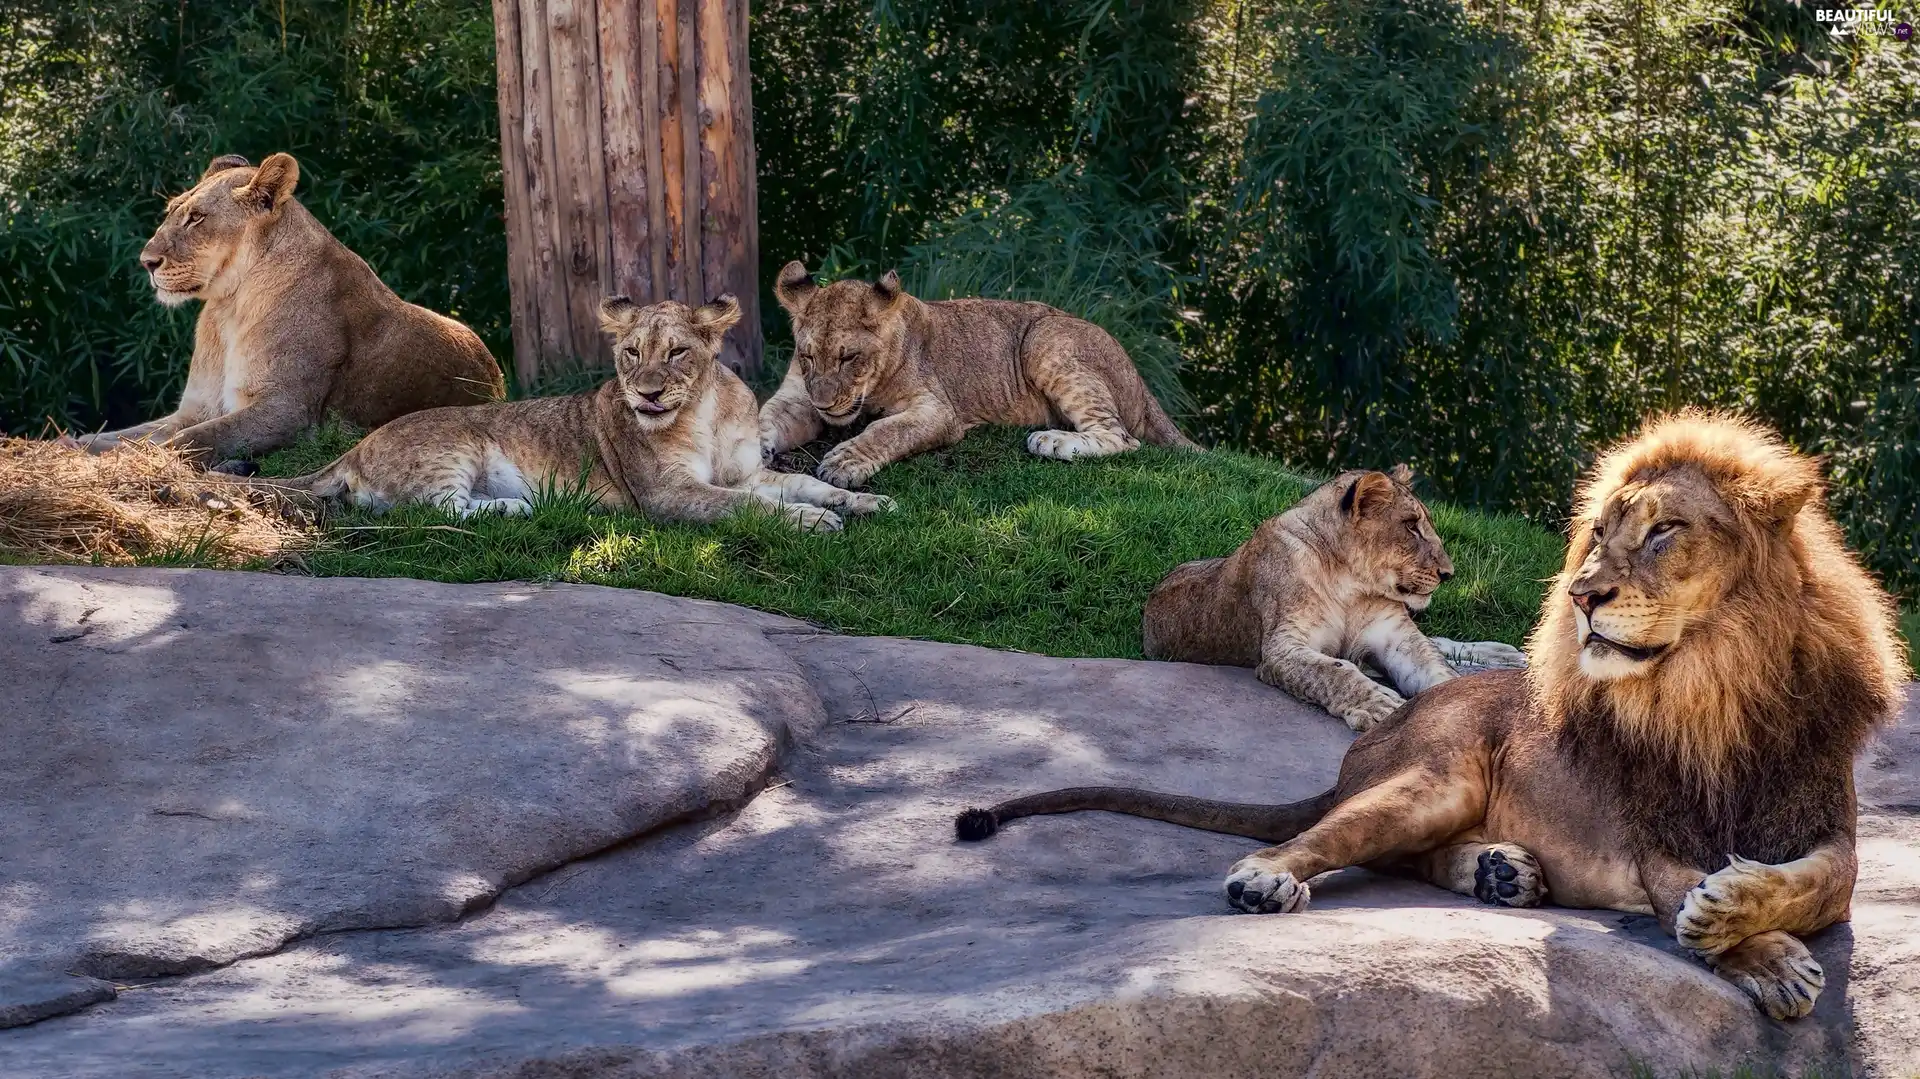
(834, 927)
(203, 766)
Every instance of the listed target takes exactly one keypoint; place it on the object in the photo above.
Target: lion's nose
(148, 262)
(1587, 598)
(1446, 575)
(653, 397)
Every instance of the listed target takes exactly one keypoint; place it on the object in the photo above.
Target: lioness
(672, 434)
(931, 371)
(1706, 666)
(293, 326)
(1327, 584)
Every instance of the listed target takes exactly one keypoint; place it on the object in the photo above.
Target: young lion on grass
(1706, 666)
(931, 371)
(1317, 589)
(292, 325)
(672, 435)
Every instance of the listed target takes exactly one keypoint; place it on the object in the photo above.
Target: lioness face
(846, 337)
(206, 230)
(1660, 555)
(661, 352)
(1394, 543)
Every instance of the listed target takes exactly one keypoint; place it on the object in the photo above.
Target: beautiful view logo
(1864, 20)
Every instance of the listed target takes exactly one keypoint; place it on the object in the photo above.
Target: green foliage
(1484, 237)
(113, 106)
(990, 545)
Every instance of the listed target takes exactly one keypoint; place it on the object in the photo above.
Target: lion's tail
(1269, 823)
(1160, 428)
(329, 482)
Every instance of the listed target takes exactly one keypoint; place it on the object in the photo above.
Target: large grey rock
(833, 927)
(201, 767)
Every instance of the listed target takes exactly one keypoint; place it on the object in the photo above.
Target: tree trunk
(626, 139)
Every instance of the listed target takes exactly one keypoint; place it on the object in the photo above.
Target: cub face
(846, 337)
(1660, 554)
(662, 351)
(207, 229)
(1394, 545)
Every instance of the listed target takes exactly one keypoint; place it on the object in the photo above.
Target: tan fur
(931, 371)
(293, 325)
(1317, 590)
(673, 434)
(1762, 657)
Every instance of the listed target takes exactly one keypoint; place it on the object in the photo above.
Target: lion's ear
(714, 319)
(1401, 474)
(1785, 504)
(794, 287)
(1368, 492)
(887, 290)
(272, 185)
(618, 314)
(223, 163)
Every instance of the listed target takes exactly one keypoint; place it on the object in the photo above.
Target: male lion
(294, 325)
(672, 434)
(1328, 583)
(931, 371)
(1706, 666)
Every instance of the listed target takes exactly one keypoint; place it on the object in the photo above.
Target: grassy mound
(989, 546)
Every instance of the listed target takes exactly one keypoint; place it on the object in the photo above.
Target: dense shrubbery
(1484, 237)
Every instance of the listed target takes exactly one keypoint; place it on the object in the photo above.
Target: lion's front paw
(1718, 912)
(1477, 654)
(810, 518)
(862, 502)
(1776, 970)
(1059, 445)
(1257, 889)
(1361, 715)
(845, 466)
(1509, 876)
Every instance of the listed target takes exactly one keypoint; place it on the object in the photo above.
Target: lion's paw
(1509, 876)
(1059, 445)
(1257, 890)
(1480, 654)
(1776, 970)
(810, 518)
(505, 507)
(1717, 913)
(862, 502)
(845, 466)
(1361, 715)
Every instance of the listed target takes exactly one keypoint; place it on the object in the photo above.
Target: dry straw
(138, 502)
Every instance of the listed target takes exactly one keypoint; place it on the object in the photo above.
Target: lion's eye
(194, 218)
(676, 352)
(1664, 530)
(1414, 527)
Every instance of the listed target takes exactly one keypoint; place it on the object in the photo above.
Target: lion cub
(931, 371)
(292, 324)
(672, 435)
(1327, 583)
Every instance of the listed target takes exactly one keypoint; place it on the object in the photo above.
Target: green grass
(989, 546)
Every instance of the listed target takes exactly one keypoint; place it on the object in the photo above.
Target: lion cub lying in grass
(1325, 584)
(931, 371)
(672, 435)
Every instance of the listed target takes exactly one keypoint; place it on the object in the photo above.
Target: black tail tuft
(973, 825)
